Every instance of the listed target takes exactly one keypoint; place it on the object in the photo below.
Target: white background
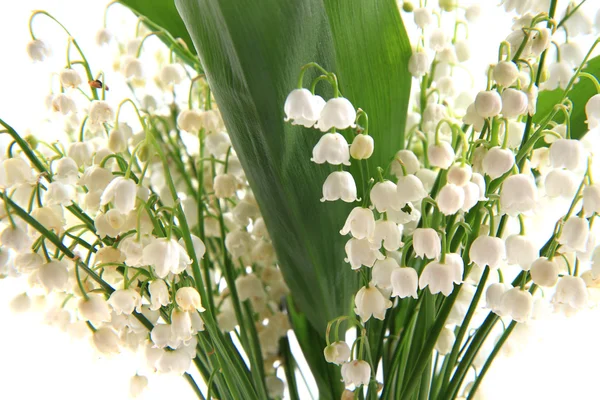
(38, 361)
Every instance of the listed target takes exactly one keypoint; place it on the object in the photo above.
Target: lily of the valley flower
(332, 148)
(339, 185)
(370, 302)
(303, 108)
(337, 113)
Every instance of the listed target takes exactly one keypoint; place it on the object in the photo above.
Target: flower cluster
(455, 211)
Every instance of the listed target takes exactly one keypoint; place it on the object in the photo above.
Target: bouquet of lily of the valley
(295, 198)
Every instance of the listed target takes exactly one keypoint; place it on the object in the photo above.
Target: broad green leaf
(252, 55)
(579, 95)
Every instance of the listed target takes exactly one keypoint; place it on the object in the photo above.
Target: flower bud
(514, 103)
(370, 302)
(38, 50)
(362, 147)
(488, 104)
(356, 373)
(441, 155)
(418, 63)
(445, 341)
(382, 272)
(561, 74)
(188, 299)
(303, 108)
(544, 272)
(404, 282)
(360, 223)
(459, 174)
(360, 252)
(337, 353)
(410, 189)
(337, 113)
(172, 74)
(70, 78)
(521, 251)
(505, 73)
(450, 199)
(497, 162)
(518, 304)
(518, 195)
(574, 234)
(332, 148)
(225, 186)
(567, 153)
(339, 185)
(571, 290)
(426, 243)
(487, 250)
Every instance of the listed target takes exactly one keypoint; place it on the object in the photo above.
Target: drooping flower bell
(360, 223)
(487, 250)
(38, 50)
(518, 304)
(384, 197)
(121, 192)
(544, 272)
(562, 183)
(488, 103)
(592, 112)
(225, 186)
(445, 341)
(94, 309)
(356, 373)
(497, 162)
(438, 277)
(388, 234)
(159, 294)
(370, 302)
(303, 108)
(404, 282)
(171, 74)
(575, 233)
(518, 195)
(560, 75)
(441, 155)
(189, 120)
(382, 272)
(521, 250)
(514, 103)
(64, 104)
(450, 199)
(409, 188)
(493, 297)
(459, 174)
(332, 148)
(337, 113)
(591, 199)
(362, 147)
(100, 112)
(418, 64)
(337, 353)
(426, 243)
(106, 341)
(124, 301)
(567, 153)
(188, 299)
(505, 73)
(571, 291)
(360, 252)
(165, 255)
(339, 185)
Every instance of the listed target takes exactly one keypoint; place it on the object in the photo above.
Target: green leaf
(579, 95)
(252, 56)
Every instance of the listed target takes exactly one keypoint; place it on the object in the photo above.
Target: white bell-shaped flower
(217, 144)
(337, 113)
(459, 174)
(427, 243)
(418, 63)
(159, 294)
(132, 68)
(410, 189)
(175, 362)
(362, 147)
(188, 299)
(124, 301)
(518, 304)
(105, 341)
(438, 277)
(103, 37)
(450, 199)
(540, 41)
(591, 199)
(404, 282)
(70, 78)
(190, 120)
(53, 276)
(427, 178)
(472, 196)
(94, 309)
(493, 297)
(488, 104)
(17, 171)
(514, 103)
(332, 148)
(384, 197)
(81, 153)
(571, 291)
(544, 272)
(487, 250)
(238, 243)
(38, 50)
(360, 252)
(497, 162)
(225, 186)
(567, 153)
(445, 341)
(473, 12)
(121, 192)
(433, 114)
(592, 112)
(165, 255)
(337, 353)
(521, 251)
(14, 237)
(409, 160)
(181, 325)
(575, 233)
(463, 50)
(387, 233)
(66, 171)
(339, 185)
(382, 272)
(423, 17)
(303, 108)
(360, 223)
(505, 73)
(356, 373)
(137, 385)
(64, 104)
(441, 155)
(561, 74)
(572, 52)
(100, 112)
(370, 302)
(562, 183)
(249, 286)
(438, 40)
(518, 195)
(457, 265)
(171, 74)
(472, 118)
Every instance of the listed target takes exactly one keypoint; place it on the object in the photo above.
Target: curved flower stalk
(467, 178)
(125, 235)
